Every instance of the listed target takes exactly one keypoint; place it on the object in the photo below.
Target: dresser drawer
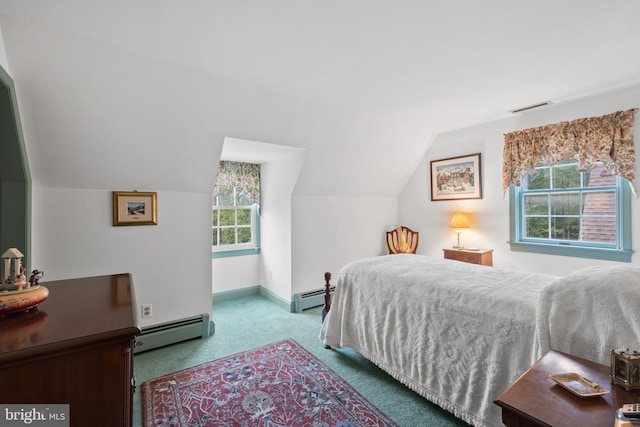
(483, 257)
(466, 257)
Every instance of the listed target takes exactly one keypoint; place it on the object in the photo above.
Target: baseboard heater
(310, 299)
(172, 332)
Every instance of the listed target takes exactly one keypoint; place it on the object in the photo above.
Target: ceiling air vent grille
(530, 107)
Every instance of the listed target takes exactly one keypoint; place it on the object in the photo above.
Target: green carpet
(253, 321)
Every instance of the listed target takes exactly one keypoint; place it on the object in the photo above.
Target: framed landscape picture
(456, 178)
(134, 208)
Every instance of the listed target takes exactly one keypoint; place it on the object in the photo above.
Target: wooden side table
(481, 256)
(536, 400)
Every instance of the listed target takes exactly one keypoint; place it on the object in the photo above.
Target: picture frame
(135, 208)
(457, 178)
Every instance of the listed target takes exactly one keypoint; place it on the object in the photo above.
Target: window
(235, 207)
(563, 211)
(232, 220)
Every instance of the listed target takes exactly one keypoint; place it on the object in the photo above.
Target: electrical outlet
(146, 311)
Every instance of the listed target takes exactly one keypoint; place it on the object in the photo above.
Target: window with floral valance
(245, 177)
(606, 139)
(235, 210)
(572, 187)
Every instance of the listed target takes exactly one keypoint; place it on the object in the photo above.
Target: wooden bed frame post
(327, 295)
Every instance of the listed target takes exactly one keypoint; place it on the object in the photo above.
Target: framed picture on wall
(456, 178)
(134, 208)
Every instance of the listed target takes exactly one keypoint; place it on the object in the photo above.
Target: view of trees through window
(231, 219)
(564, 204)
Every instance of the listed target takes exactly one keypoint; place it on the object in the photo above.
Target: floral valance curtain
(607, 139)
(244, 176)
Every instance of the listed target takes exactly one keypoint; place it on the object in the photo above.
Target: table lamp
(458, 222)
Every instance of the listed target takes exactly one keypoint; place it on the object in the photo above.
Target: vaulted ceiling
(141, 93)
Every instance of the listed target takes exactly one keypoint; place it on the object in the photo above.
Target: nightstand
(536, 400)
(481, 256)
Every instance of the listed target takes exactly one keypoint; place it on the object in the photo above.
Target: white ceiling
(356, 83)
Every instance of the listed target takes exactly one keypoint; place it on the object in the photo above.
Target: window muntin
(563, 211)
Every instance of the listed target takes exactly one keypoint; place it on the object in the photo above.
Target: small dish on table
(579, 385)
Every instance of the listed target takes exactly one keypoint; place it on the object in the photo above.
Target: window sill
(234, 253)
(573, 251)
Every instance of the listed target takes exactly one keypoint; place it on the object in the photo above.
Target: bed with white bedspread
(459, 334)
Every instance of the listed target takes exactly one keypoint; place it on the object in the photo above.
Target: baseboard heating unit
(172, 332)
(310, 299)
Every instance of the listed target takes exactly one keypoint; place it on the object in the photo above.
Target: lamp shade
(459, 220)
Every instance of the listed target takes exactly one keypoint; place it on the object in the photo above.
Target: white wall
(278, 177)
(490, 222)
(329, 232)
(233, 273)
(73, 236)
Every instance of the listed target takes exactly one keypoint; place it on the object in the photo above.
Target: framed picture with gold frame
(135, 208)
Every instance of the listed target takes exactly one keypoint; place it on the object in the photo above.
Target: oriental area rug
(280, 384)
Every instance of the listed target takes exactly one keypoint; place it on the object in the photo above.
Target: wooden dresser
(481, 256)
(76, 349)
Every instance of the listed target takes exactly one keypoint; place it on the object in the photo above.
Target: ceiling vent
(531, 107)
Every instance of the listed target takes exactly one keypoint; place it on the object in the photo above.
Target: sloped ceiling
(123, 94)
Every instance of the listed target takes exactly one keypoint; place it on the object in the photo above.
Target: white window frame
(238, 248)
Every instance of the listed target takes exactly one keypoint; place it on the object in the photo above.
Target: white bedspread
(591, 312)
(456, 333)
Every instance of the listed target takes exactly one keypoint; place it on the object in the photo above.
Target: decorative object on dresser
(462, 333)
(135, 208)
(471, 255)
(76, 349)
(456, 178)
(458, 222)
(17, 294)
(536, 400)
(402, 240)
(274, 385)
